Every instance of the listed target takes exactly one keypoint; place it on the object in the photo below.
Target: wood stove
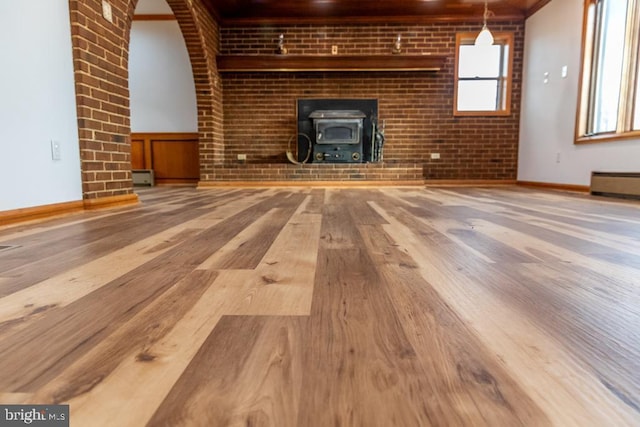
(337, 130)
(338, 135)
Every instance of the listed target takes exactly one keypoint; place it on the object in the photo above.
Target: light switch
(563, 73)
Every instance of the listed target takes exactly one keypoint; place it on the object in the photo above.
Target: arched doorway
(164, 116)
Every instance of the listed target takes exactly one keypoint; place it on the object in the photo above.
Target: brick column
(100, 57)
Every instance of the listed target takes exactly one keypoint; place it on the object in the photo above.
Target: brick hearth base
(318, 173)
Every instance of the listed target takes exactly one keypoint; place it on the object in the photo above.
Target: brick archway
(202, 37)
(100, 58)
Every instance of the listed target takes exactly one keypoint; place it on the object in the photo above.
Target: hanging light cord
(486, 15)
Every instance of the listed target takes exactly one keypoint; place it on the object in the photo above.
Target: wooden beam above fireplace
(299, 63)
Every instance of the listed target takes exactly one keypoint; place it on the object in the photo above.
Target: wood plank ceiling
(231, 12)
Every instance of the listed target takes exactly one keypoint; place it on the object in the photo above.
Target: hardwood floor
(336, 306)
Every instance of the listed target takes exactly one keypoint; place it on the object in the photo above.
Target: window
(483, 76)
(610, 85)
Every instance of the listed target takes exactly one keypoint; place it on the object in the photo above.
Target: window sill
(608, 137)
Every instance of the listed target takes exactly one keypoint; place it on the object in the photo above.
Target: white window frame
(627, 91)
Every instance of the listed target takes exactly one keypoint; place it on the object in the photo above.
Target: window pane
(477, 95)
(505, 63)
(610, 57)
(479, 61)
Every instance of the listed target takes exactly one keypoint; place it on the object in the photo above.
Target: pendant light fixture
(485, 38)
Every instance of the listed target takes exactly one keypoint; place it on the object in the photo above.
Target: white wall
(547, 124)
(153, 7)
(161, 87)
(37, 104)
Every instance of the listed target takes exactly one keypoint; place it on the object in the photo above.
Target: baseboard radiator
(142, 177)
(616, 184)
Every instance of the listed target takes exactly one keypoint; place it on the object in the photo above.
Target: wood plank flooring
(335, 306)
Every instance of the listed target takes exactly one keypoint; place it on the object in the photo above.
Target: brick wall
(260, 108)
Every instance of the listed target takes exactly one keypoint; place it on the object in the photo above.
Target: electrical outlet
(55, 150)
(334, 50)
(435, 156)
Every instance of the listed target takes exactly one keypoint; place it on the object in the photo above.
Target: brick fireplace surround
(260, 107)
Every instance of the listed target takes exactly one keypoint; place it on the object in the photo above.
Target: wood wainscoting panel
(137, 153)
(175, 161)
(173, 157)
